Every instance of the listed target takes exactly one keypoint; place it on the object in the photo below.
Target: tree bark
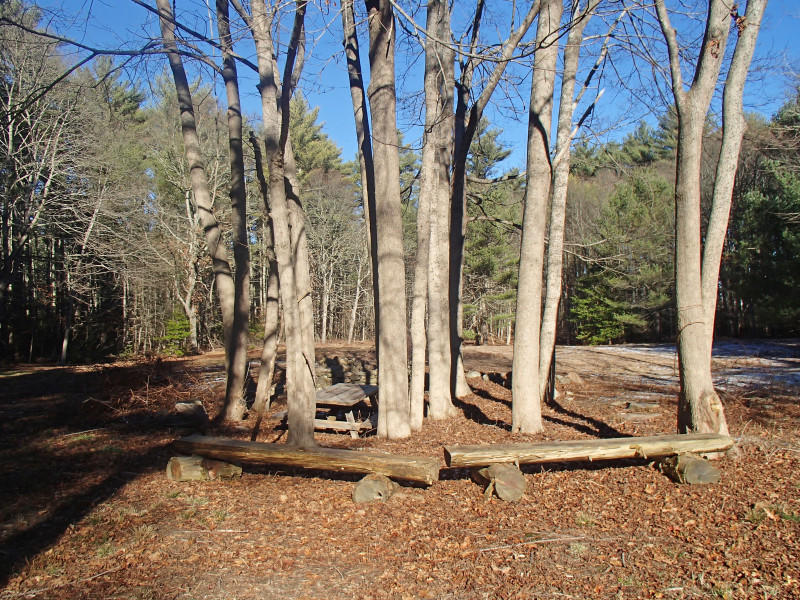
(392, 350)
(558, 205)
(585, 450)
(435, 192)
(467, 119)
(365, 158)
(301, 400)
(699, 407)
(733, 128)
(223, 278)
(235, 404)
(269, 349)
(526, 408)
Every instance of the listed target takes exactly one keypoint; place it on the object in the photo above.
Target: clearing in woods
(86, 510)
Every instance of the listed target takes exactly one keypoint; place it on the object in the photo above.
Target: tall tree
(393, 418)
(235, 404)
(223, 276)
(526, 407)
(696, 274)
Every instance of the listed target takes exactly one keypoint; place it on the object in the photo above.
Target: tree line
(170, 220)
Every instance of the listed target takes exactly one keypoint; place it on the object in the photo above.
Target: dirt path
(86, 512)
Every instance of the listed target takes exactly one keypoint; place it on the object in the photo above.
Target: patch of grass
(82, 437)
(106, 549)
(174, 494)
(197, 500)
(627, 580)
(583, 519)
(189, 513)
(577, 549)
(143, 533)
(220, 515)
(760, 512)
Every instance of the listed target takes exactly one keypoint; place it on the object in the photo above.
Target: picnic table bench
(343, 396)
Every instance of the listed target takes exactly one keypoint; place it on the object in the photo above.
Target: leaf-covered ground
(87, 512)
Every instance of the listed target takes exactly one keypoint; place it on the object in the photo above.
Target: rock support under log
(419, 469)
(585, 450)
(690, 469)
(197, 468)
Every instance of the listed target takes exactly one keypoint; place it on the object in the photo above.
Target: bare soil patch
(86, 510)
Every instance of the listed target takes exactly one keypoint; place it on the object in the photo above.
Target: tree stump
(197, 468)
(374, 487)
(690, 469)
(505, 480)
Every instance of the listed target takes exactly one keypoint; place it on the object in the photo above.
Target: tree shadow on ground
(70, 439)
(593, 427)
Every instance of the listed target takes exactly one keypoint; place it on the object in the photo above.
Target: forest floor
(86, 510)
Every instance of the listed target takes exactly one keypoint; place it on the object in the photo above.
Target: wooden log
(420, 469)
(690, 469)
(197, 468)
(585, 450)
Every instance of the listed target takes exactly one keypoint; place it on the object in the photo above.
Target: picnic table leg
(351, 419)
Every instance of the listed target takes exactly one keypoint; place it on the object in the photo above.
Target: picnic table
(338, 398)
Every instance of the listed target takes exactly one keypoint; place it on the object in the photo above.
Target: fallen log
(197, 468)
(585, 450)
(690, 469)
(419, 469)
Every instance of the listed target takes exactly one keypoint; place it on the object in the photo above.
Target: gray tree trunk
(365, 159)
(235, 404)
(269, 349)
(435, 192)
(223, 278)
(558, 205)
(733, 128)
(699, 407)
(392, 351)
(467, 119)
(301, 399)
(526, 410)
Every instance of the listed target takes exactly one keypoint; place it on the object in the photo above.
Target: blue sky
(119, 22)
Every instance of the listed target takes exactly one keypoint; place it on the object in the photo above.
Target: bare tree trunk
(269, 349)
(733, 128)
(300, 390)
(235, 404)
(558, 206)
(699, 407)
(365, 159)
(436, 153)
(526, 408)
(392, 350)
(354, 313)
(466, 124)
(223, 278)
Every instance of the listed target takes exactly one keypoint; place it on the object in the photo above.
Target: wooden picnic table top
(345, 394)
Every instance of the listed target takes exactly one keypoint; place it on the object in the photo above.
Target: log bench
(419, 469)
(585, 450)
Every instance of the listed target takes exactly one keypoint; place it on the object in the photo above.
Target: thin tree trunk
(235, 404)
(733, 128)
(526, 407)
(393, 417)
(436, 153)
(558, 205)
(223, 278)
(269, 349)
(466, 124)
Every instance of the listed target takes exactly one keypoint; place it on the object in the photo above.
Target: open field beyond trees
(87, 512)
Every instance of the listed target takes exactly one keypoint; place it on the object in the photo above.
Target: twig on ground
(531, 542)
(30, 593)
